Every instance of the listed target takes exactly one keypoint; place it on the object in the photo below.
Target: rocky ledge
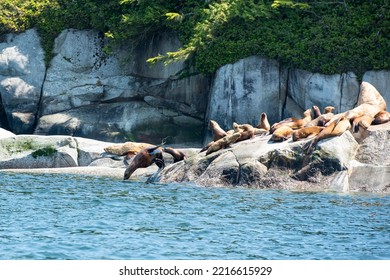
(340, 164)
(347, 163)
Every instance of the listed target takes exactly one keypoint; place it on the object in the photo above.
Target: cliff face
(119, 97)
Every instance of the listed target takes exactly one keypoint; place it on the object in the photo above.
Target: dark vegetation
(326, 36)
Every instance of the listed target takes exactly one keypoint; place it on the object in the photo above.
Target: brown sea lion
(223, 143)
(294, 123)
(306, 132)
(282, 133)
(216, 130)
(322, 119)
(247, 131)
(127, 148)
(316, 111)
(336, 128)
(361, 122)
(381, 117)
(145, 158)
(176, 154)
(263, 122)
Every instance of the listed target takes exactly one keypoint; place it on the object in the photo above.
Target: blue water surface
(50, 216)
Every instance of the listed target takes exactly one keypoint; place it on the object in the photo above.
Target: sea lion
(306, 132)
(145, 158)
(216, 130)
(361, 122)
(176, 154)
(336, 128)
(127, 148)
(263, 122)
(322, 119)
(282, 133)
(223, 142)
(247, 131)
(370, 95)
(381, 117)
(294, 123)
(316, 111)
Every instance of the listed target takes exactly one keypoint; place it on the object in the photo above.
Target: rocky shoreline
(338, 164)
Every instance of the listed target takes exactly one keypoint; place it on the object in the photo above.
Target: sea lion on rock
(216, 130)
(127, 148)
(282, 133)
(223, 143)
(294, 123)
(263, 122)
(306, 132)
(336, 128)
(363, 122)
(381, 117)
(246, 130)
(316, 111)
(145, 158)
(176, 154)
(322, 119)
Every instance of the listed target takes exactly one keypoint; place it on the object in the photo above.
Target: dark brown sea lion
(263, 122)
(306, 132)
(145, 158)
(223, 143)
(336, 128)
(316, 111)
(381, 117)
(322, 119)
(282, 133)
(216, 130)
(294, 123)
(176, 154)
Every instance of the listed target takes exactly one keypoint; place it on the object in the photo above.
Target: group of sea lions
(371, 109)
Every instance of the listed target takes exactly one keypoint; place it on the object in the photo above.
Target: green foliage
(315, 35)
(46, 151)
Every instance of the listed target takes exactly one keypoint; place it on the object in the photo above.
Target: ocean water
(82, 217)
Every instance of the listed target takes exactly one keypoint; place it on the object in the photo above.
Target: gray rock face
(22, 72)
(88, 94)
(242, 91)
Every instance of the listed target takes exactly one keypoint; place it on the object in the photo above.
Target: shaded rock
(375, 145)
(22, 72)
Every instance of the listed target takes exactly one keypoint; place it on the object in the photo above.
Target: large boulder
(22, 72)
(262, 163)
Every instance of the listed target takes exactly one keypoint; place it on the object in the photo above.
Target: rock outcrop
(22, 73)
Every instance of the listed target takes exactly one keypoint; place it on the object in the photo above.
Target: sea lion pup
(216, 130)
(145, 158)
(176, 154)
(294, 123)
(223, 142)
(381, 117)
(336, 128)
(282, 133)
(306, 132)
(322, 119)
(263, 122)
